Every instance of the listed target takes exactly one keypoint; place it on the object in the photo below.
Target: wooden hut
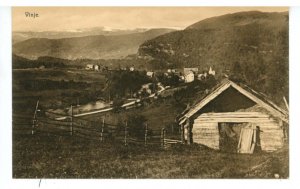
(235, 118)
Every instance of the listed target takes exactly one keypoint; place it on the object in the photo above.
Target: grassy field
(46, 156)
(43, 156)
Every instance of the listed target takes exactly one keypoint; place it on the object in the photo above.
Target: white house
(89, 66)
(187, 70)
(211, 71)
(96, 67)
(171, 70)
(150, 74)
(131, 68)
(189, 77)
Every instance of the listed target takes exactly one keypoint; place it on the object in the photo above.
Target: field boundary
(91, 130)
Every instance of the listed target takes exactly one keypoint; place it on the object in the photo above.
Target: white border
(150, 3)
(5, 96)
(6, 180)
(294, 78)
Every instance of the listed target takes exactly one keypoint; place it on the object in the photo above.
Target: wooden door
(247, 140)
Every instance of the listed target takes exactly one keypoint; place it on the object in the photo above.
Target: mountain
(249, 46)
(19, 36)
(91, 47)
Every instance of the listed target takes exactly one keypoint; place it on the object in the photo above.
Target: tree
(123, 83)
(117, 105)
(236, 73)
(136, 125)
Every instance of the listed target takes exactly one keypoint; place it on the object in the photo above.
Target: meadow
(47, 156)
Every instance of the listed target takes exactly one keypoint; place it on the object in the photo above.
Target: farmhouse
(189, 77)
(234, 118)
(188, 70)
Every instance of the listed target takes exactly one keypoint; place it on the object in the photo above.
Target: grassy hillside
(43, 156)
(92, 47)
(248, 46)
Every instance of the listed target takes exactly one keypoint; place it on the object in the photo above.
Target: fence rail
(91, 130)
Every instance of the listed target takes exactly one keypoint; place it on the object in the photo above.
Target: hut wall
(206, 134)
(205, 128)
(271, 135)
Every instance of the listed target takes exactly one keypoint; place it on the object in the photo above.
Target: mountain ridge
(250, 46)
(91, 47)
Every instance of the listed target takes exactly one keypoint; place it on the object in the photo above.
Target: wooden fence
(90, 130)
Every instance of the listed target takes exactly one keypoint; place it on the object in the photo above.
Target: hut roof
(256, 97)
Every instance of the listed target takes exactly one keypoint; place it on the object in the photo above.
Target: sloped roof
(256, 97)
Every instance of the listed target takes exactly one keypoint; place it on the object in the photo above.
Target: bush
(136, 125)
(117, 105)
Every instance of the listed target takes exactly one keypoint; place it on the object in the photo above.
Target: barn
(235, 118)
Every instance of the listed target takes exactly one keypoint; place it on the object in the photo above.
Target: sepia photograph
(150, 92)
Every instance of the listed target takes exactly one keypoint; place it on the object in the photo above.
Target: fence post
(163, 137)
(102, 129)
(125, 137)
(34, 120)
(33, 126)
(71, 128)
(188, 136)
(146, 134)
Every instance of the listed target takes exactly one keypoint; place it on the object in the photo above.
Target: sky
(72, 18)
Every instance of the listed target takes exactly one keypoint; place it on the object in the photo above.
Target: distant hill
(91, 47)
(19, 36)
(46, 62)
(249, 46)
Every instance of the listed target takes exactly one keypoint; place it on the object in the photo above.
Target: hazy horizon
(74, 19)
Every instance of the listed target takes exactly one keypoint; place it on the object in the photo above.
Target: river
(90, 107)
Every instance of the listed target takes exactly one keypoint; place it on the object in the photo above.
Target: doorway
(238, 137)
(229, 136)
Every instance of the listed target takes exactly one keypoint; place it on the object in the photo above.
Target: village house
(181, 78)
(234, 118)
(211, 71)
(188, 70)
(131, 68)
(96, 67)
(89, 67)
(171, 70)
(150, 74)
(204, 74)
(189, 77)
(146, 88)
